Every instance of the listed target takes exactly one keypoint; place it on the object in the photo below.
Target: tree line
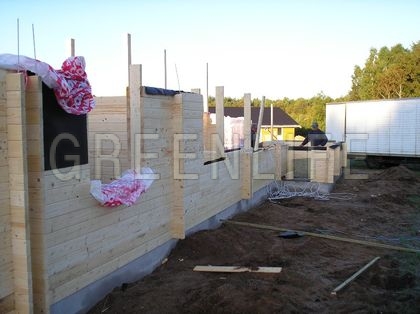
(387, 73)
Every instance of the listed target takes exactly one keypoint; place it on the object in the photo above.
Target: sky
(271, 48)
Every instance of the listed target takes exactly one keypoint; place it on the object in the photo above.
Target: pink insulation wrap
(73, 93)
(123, 191)
(70, 83)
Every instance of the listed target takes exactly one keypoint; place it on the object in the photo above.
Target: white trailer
(381, 130)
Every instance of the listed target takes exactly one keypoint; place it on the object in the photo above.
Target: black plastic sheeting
(65, 135)
(161, 91)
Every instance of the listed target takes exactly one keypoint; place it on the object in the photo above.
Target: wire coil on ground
(279, 190)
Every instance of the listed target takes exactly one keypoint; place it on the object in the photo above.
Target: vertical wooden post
(220, 114)
(72, 47)
(290, 172)
(246, 174)
(271, 121)
(128, 56)
(247, 121)
(343, 155)
(178, 208)
(35, 136)
(18, 180)
(314, 171)
(260, 117)
(278, 156)
(134, 122)
(206, 99)
(164, 66)
(330, 165)
(7, 303)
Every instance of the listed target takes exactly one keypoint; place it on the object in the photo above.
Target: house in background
(283, 125)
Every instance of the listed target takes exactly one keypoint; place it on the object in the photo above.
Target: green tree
(387, 73)
(413, 71)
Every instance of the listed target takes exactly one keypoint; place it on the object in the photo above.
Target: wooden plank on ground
(325, 236)
(354, 276)
(237, 269)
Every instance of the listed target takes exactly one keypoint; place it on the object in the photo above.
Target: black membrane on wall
(65, 135)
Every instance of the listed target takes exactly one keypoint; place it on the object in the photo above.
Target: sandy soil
(382, 209)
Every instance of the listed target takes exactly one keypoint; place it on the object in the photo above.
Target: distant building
(283, 125)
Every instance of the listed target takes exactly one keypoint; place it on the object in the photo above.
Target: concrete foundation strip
(354, 276)
(325, 236)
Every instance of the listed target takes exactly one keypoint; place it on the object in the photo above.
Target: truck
(383, 132)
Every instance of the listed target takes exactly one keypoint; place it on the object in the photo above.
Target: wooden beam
(290, 164)
(354, 276)
(206, 99)
(220, 114)
(72, 47)
(271, 121)
(260, 117)
(325, 236)
(247, 121)
(164, 66)
(133, 112)
(128, 56)
(237, 269)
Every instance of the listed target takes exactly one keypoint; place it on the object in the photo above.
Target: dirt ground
(382, 209)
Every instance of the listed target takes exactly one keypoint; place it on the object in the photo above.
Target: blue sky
(267, 48)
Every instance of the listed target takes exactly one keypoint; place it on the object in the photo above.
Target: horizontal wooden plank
(3, 124)
(14, 82)
(106, 117)
(155, 113)
(111, 103)
(238, 269)
(17, 180)
(15, 149)
(33, 100)
(6, 240)
(108, 127)
(14, 132)
(4, 193)
(34, 132)
(33, 84)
